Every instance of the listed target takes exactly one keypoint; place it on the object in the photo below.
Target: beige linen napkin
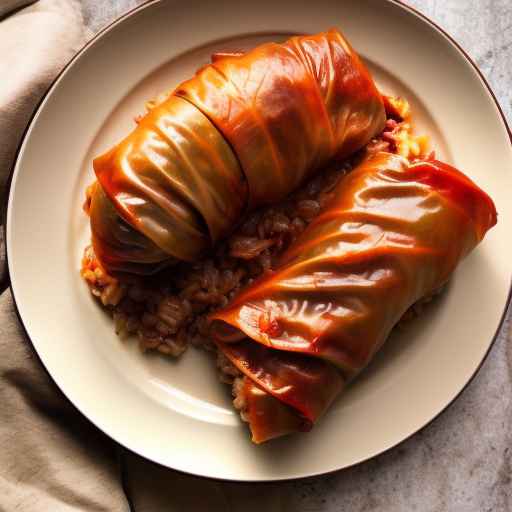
(51, 458)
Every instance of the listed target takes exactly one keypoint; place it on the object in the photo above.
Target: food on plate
(279, 211)
(392, 234)
(244, 132)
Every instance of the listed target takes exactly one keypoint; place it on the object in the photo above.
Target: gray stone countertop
(462, 462)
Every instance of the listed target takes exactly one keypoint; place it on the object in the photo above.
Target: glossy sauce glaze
(393, 233)
(244, 132)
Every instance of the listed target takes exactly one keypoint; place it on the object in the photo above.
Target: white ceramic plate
(177, 414)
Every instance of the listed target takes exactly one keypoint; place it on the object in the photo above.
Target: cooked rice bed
(167, 317)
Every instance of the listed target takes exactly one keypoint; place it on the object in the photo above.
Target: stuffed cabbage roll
(245, 131)
(393, 234)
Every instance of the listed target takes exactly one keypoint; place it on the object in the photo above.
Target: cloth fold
(35, 43)
(8, 7)
(51, 457)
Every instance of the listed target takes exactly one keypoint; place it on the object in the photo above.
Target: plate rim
(8, 278)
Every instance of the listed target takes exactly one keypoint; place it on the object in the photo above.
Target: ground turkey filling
(169, 311)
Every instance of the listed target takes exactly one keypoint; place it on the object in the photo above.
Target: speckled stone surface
(462, 462)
